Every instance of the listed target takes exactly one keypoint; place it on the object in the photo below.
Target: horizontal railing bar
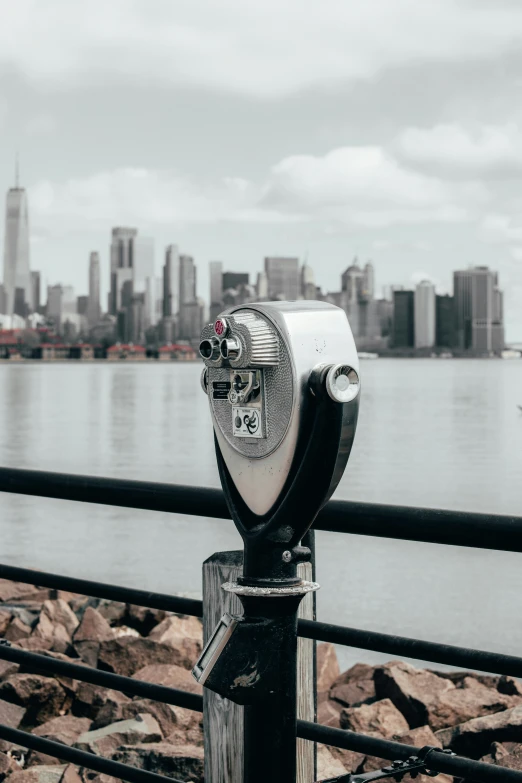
(390, 644)
(454, 765)
(404, 647)
(126, 595)
(126, 493)
(36, 662)
(81, 757)
(427, 525)
(435, 526)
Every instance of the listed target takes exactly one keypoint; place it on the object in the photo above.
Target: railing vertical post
(223, 720)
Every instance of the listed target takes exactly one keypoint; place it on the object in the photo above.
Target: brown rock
(5, 619)
(14, 592)
(90, 702)
(93, 627)
(69, 685)
(34, 759)
(178, 725)
(11, 714)
(458, 677)
(43, 697)
(92, 630)
(113, 611)
(327, 765)
(185, 761)
(7, 765)
(103, 742)
(354, 686)
(169, 675)
(17, 630)
(474, 737)
(7, 668)
(65, 729)
(327, 669)
(57, 622)
(184, 634)
(350, 759)
(111, 710)
(329, 713)
(129, 654)
(411, 690)
(143, 619)
(469, 701)
(71, 775)
(380, 719)
(36, 643)
(43, 774)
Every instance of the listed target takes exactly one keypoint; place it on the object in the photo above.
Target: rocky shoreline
(476, 715)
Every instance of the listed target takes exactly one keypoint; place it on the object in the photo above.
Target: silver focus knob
(342, 383)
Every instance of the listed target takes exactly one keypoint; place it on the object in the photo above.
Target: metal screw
(286, 556)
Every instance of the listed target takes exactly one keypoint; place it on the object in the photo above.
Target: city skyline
(161, 123)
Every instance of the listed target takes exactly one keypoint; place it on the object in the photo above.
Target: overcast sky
(386, 129)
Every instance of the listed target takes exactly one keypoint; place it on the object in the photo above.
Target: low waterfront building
(126, 351)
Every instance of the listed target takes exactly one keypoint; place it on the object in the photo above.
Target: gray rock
(103, 742)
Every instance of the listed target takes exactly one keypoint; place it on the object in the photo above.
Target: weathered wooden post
(222, 719)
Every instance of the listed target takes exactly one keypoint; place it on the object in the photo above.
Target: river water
(441, 433)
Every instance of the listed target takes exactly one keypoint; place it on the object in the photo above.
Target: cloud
(454, 151)
(501, 229)
(135, 196)
(352, 186)
(367, 186)
(261, 49)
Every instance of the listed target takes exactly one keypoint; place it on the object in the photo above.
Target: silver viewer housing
(260, 364)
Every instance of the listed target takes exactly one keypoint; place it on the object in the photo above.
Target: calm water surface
(441, 433)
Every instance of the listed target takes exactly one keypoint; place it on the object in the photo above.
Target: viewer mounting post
(283, 386)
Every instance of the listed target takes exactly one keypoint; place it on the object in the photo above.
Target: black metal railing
(417, 524)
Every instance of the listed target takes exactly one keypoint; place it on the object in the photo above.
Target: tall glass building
(17, 275)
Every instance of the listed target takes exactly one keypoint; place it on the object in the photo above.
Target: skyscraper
(187, 280)
(17, 274)
(171, 277)
(216, 288)
(122, 262)
(425, 315)
(308, 288)
(444, 321)
(190, 310)
(36, 295)
(283, 278)
(93, 308)
(234, 280)
(478, 310)
(403, 319)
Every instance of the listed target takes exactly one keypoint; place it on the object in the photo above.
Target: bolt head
(286, 556)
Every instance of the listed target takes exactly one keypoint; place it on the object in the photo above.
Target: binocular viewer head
(269, 369)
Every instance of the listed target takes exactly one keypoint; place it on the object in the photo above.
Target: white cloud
(257, 48)
(361, 186)
(135, 196)
(366, 186)
(486, 151)
(501, 229)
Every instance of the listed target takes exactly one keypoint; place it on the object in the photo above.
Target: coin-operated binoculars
(283, 386)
